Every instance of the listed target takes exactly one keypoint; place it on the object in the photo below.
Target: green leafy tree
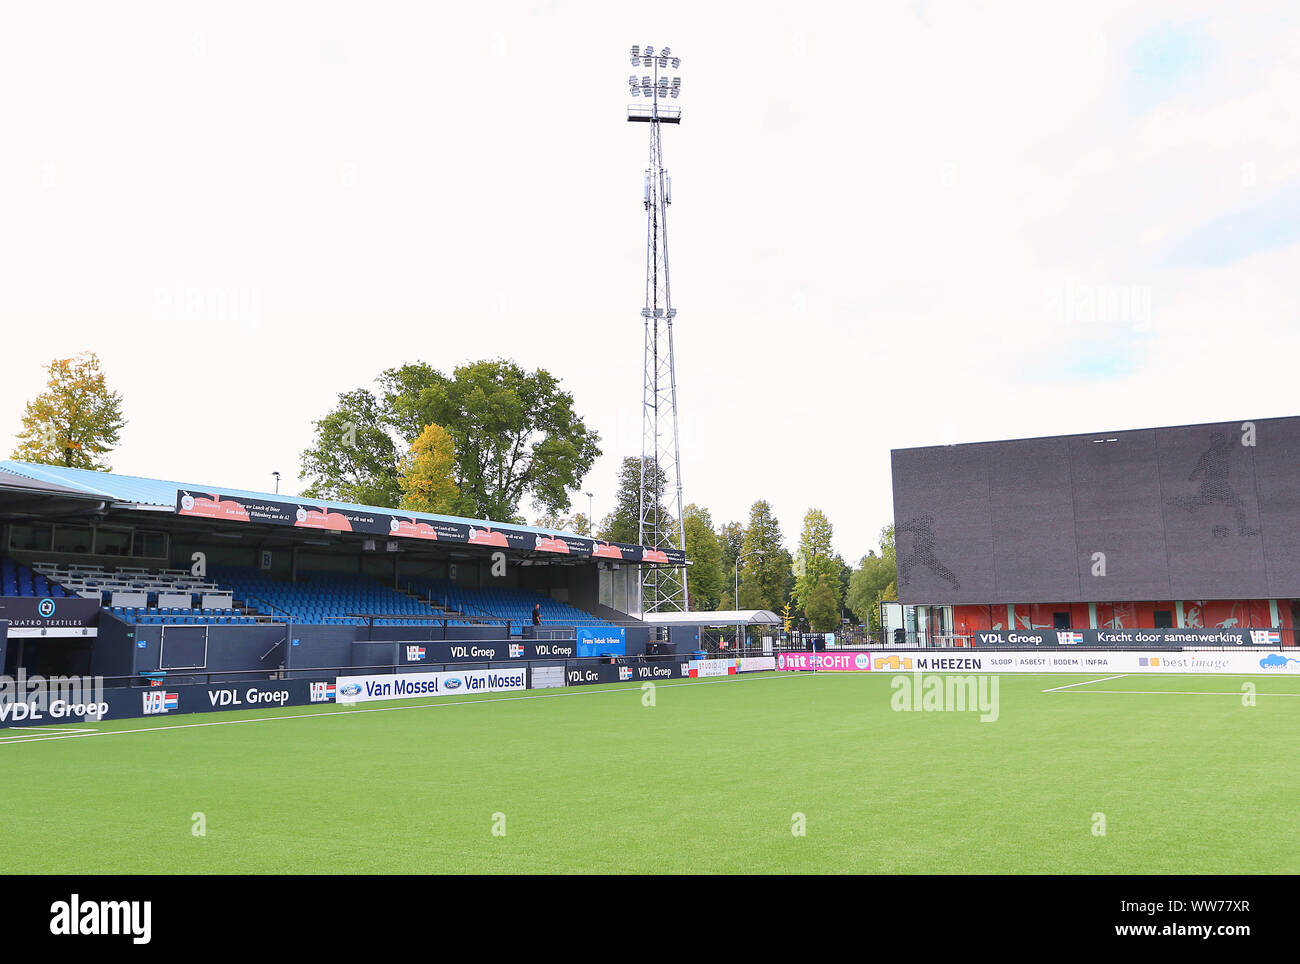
(765, 577)
(623, 524)
(818, 570)
(731, 537)
(516, 433)
(426, 474)
(821, 608)
(705, 583)
(76, 421)
(353, 458)
(874, 580)
(580, 524)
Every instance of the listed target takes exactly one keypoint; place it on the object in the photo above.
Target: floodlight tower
(661, 588)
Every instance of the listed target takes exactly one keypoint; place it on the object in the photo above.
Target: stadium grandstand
(117, 575)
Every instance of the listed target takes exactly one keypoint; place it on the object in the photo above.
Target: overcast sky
(894, 224)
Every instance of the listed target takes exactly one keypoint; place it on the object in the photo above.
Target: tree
(819, 573)
(426, 474)
(76, 421)
(874, 580)
(353, 457)
(765, 576)
(730, 537)
(515, 432)
(706, 584)
(821, 607)
(817, 566)
(624, 523)
(580, 524)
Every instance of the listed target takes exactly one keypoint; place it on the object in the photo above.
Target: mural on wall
(922, 554)
(1213, 468)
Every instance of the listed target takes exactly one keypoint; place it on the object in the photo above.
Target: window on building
(149, 544)
(113, 542)
(30, 538)
(73, 539)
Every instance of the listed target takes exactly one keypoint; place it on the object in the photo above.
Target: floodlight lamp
(677, 62)
(665, 52)
(636, 50)
(649, 51)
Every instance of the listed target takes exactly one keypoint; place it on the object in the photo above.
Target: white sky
(894, 224)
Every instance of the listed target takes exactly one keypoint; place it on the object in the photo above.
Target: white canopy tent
(721, 617)
(724, 617)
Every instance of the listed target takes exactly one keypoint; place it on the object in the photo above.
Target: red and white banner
(711, 667)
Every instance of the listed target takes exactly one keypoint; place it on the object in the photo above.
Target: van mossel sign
(1131, 638)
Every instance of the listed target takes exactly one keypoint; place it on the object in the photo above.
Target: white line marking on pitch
(1175, 693)
(35, 731)
(1057, 689)
(347, 711)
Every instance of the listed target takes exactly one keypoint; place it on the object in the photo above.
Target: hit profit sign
(365, 689)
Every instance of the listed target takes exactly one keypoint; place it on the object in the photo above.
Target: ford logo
(452, 683)
(350, 689)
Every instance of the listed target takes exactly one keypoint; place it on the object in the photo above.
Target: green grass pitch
(709, 779)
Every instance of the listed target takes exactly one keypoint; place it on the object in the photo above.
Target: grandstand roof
(22, 494)
(134, 490)
(242, 507)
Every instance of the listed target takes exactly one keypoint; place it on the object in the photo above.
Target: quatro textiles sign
(34, 612)
(398, 686)
(839, 662)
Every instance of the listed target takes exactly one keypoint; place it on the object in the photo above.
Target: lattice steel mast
(660, 526)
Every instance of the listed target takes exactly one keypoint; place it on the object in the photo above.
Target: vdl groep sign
(1130, 638)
